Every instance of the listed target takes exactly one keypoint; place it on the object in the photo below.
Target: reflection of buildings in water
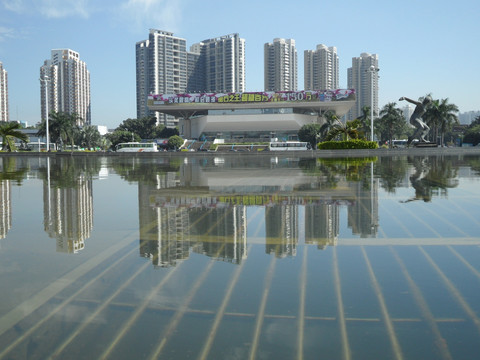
(322, 222)
(68, 214)
(205, 211)
(168, 231)
(220, 233)
(363, 214)
(281, 230)
(164, 232)
(5, 208)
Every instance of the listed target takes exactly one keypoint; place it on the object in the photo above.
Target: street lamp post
(45, 80)
(372, 70)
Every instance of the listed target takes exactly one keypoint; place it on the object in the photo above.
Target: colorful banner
(252, 97)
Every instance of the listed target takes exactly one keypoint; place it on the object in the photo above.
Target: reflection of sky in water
(179, 260)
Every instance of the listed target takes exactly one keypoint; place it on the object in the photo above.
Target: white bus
(289, 146)
(40, 146)
(136, 147)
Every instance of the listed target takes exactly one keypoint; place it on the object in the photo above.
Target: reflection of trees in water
(474, 163)
(391, 171)
(331, 171)
(144, 171)
(432, 175)
(10, 170)
(65, 171)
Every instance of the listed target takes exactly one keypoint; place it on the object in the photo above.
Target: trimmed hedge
(347, 145)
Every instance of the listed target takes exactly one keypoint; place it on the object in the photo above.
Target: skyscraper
(68, 83)
(3, 94)
(321, 68)
(365, 83)
(223, 63)
(280, 65)
(161, 63)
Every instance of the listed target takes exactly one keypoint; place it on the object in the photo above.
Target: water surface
(235, 257)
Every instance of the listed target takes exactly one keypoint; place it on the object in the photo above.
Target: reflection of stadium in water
(205, 209)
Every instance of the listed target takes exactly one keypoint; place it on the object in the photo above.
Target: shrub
(349, 144)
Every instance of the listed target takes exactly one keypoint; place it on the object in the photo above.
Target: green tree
(347, 131)
(365, 120)
(174, 142)
(9, 132)
(309, 133)
(441, 116)
(472, 135)
(391, 123)
(89, 137)
(121, 136)
(145, 128)
(62, 127)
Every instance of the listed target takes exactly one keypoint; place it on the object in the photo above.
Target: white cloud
(6, 33)
(14, 5)
(63, 8)
(49, 8)
(146, 14)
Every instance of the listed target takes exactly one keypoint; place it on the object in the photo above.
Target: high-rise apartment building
(280, 65)
(222, 61)
(161, 63)
(165, 67)
(67, 81)
(363, 77)
(321, 68)
(3, 94)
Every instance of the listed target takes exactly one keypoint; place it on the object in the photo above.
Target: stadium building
(250, 115)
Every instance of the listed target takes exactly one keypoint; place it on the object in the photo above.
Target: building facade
(3, 94)
(363, 77)
(65, 85)
(280, 65)
(321, 68)
(161, 67)
(222, 61)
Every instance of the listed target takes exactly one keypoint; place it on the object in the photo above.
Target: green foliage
(9, 132)
(391, 124)
(347, 145)
(145, 128)
(174, 142)
(309, 133)
(62, 128)
(349, 130)
(472, 135)
(88, 137)
(121, 136)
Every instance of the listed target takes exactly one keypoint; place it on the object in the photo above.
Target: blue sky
(428, 46)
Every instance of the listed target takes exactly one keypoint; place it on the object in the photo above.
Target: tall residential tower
(68, 82)
(321, 68)
(3, 94)
(363, 77)
(222, 61)
(280, 65)
(161, 63)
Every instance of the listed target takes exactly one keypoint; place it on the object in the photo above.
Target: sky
(424, 47)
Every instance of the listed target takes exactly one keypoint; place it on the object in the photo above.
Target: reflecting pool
(239, 257)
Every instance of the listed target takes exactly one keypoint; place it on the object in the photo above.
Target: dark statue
(422, 129)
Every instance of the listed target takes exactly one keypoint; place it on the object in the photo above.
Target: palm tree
(9, 132)
(446, 116)
(89, 136)
(391, 118)
(330, 120)
(365, 120)
(348, 131)
(62, 127)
